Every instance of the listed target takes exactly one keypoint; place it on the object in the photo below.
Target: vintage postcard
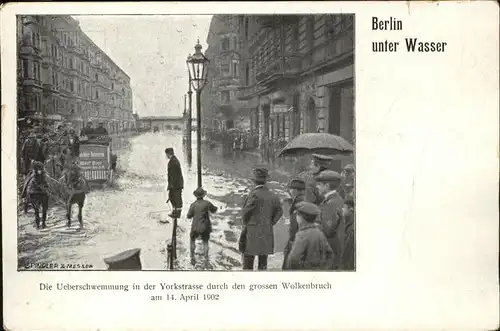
(348, 149)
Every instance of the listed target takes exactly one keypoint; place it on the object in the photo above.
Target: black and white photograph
(218, 142)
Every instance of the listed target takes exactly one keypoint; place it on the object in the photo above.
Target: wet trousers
(248, 261)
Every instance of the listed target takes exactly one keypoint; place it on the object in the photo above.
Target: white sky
(152, 50)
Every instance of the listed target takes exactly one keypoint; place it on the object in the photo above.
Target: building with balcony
(220, 107)
(64, 76)
(297, 74)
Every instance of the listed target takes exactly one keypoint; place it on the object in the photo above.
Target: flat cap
(169, 150)
(127, 260)
(307, 208)
(328, 176)
(297, 183)
(260, 172)
(199, 192)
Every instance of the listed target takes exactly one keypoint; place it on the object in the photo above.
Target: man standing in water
(175, 183)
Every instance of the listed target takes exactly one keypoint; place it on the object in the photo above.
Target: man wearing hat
(347, 185)
(261, 211)
(175, 183)
(296, 189)
(29, 151)
(87, 131)
(328, 182)
(310, 249)
(101, 131)
(200, 211)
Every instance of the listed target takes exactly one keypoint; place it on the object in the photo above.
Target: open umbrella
(321, 143)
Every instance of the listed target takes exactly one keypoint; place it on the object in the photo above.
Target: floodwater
(132, 214)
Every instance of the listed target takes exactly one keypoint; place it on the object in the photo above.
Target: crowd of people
(321, 208)
(321, 228)
(58, 145)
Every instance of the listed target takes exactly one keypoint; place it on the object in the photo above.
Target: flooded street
(130, 214)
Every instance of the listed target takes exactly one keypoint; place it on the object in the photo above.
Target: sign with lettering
(280, 108)
(94, 161)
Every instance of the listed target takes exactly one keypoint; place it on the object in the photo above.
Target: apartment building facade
(297, 74)
(221, 108)
(64, 76)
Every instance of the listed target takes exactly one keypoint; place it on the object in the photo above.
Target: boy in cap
(175, 183)
(261, 211)
(328, 182)
(296, 189)
(310, 249)
(200, 211)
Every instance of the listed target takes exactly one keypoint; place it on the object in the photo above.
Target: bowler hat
(297, 183)
(307, 208)
(127, 260)
(169, 150)
(328, 176)
(199, 192)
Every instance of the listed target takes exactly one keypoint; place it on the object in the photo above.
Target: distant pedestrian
(349, 251)
(296, 190)
(310, 249)
(175, 183)
(200, 211)
(261, 211)
(328, 182)
(87, 132)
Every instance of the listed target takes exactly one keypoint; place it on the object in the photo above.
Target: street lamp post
(190, 112)
(198, 72)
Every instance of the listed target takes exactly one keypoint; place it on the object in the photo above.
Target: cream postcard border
(427, 191)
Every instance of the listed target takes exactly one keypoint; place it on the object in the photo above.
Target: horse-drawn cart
(96, 161)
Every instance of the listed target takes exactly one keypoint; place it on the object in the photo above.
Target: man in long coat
(175, 183)
(261, 211)
(328, 182)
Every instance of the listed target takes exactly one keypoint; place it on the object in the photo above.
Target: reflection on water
(131, 214)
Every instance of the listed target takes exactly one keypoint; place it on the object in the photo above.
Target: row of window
(33, 38)
(228, 43)
(34, 103)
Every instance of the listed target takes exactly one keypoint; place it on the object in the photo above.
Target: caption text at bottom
(185, 292)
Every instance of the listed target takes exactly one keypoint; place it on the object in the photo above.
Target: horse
(35, 191)
(77, 191)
